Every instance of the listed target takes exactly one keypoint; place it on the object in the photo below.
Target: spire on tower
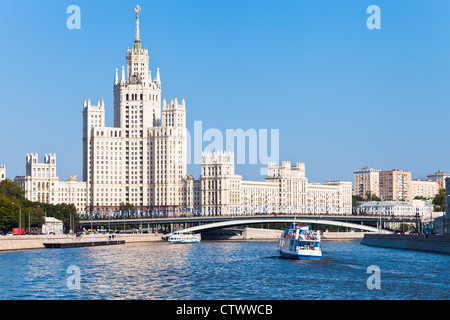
(122, 80)
(158, 79)
(116, 79)
(137, 37)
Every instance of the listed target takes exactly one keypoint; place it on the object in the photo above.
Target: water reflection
(221, 270)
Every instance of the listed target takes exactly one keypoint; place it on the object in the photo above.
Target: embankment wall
(429, 243)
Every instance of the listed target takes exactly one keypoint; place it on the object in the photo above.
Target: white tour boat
(300, 243)
(179, 237)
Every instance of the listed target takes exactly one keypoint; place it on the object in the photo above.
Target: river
(213, 270)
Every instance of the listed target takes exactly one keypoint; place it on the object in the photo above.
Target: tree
(356, 200)
(126, 207)
(9, 218)
(372, 197)
(11, 189)
(439, 201)
(12, 201)
(406, 227)
(33, 217)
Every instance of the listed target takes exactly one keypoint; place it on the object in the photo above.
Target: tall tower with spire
(142, 159)
(137, 89)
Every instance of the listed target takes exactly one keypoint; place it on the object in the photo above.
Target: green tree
(33, 217)
(439, 201)
(406, 227)
(126, 207)
(11, 189)
(12, 202)
(371, 197)
(356, 200)
(9, 214)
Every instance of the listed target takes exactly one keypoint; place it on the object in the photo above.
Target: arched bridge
(203, 223)
(240, 222)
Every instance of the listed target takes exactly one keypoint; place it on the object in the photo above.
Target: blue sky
(342, 96)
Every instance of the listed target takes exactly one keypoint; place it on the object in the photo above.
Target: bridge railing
(114, 216)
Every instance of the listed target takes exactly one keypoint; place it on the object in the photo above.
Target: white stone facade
(285, 190)
(220, 186)
(142, 160)
(41, 184)
(260, 196)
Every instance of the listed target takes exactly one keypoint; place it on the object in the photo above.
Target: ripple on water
(222, 270)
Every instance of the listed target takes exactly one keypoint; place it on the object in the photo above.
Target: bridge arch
(230, 223)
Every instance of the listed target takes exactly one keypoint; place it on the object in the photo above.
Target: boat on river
(179, 237)
(298, 242)
(88, 240)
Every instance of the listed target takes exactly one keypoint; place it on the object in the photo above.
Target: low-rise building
(396, 208)
(52, 226)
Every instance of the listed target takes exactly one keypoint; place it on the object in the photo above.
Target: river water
(213, 270)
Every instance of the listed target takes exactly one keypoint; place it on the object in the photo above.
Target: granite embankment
(25, 242)
(270, 234)
(429, 243)
(256, 234)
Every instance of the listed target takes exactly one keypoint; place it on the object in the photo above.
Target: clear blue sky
(342, 96)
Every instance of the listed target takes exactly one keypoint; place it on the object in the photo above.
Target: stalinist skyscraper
(142, 159)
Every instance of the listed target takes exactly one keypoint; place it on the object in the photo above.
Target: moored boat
(84, 241)
(179, 237)
(298, 242)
